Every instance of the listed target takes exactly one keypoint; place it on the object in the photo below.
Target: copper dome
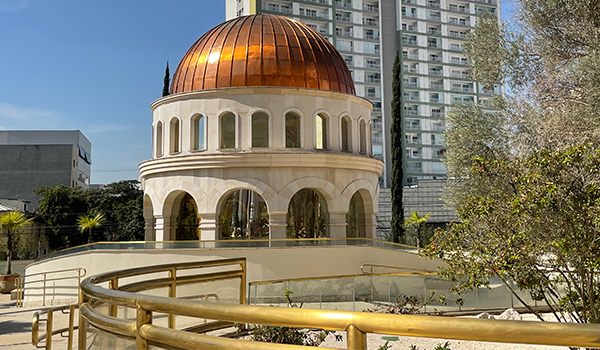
(262, 50)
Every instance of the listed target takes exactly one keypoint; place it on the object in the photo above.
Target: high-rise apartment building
(429, 35)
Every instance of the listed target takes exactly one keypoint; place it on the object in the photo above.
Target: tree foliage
(86, 222)
(166, 81)
(525, 179)
(417, 229)
(397, 154)
(121, 203)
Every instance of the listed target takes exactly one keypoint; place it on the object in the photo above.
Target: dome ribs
(262, 50)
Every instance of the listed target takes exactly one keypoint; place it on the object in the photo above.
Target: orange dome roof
(262, 50)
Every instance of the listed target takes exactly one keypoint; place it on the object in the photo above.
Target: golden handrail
(35, 327)
(357, 324)
(391, 267)
(20, 282)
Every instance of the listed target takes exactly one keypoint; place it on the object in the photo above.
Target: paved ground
(15, 326)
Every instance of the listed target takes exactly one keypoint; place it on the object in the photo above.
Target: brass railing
(47, 337)
(356, 324)
(44, 278)
(372, 266)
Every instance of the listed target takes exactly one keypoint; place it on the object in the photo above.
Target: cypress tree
(167, 81)
(397, 222)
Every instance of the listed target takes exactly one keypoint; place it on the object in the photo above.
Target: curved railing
(142, 330)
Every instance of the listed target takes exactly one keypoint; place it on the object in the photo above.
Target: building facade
(428, 34)
(33, 159)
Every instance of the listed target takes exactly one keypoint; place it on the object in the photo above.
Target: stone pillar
(371, 226)
(159, 234)
(337, 225)
(277, 225)
(149, 230)
(208, 227)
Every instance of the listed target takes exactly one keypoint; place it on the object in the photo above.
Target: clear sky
(96, 65)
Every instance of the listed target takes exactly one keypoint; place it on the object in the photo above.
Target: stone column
(371, 226)
(277, 225)
(208, 227)
(337, 225)
(149, 230)
(159, 234)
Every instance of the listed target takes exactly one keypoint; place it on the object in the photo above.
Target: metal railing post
(81, 344)
(114, 285)
(355, 338)
(49, 329)
(172, 294)
(44, 291)
(71, 321)
(243, 283)
(143, 317)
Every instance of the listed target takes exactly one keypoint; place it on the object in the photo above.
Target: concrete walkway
(15, 326)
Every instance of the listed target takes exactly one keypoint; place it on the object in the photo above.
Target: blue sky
(96, 66)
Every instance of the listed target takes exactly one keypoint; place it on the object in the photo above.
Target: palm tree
(418, 222)
(13, 222)
(86, 222)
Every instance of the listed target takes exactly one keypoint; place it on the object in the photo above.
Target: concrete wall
(262, 264)
(24, 168)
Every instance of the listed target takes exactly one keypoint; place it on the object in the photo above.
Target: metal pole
(82, 322)
(44, 291)
(172, 294)
(71, 320)
(355, 338)
(114, 285)
(49, 329)
(243, 283)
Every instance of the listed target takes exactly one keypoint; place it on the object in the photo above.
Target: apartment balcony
(411, 56)
(373, 95)
(438, 128)
(414, 125)
(459, 62)
(377, 139)
(436, 72)
(370, 22)
(371, 37)
(412, 98)
(413, 141)
(458, 23)
(411, 112)
(376, 124)
(409, 14)
(345, 34)
(438, 114)
(343, 4)
(373, 80)
(438, 171)
(409, 28)
(436, 86)
(324, 2)
(435, 59)
(434, 100)
(433, 31)
(409, 70)
(457, 48)
(434, 45)
(343, 18)
(434, 18)
(412, 155)
(461, 89)
(411, 84)
(458, 9)
(460, 75)
(409, 41)
(376, 109)
(414, 169)
(433, 4)
(409, 1)
(370, 8)
(373, 66)
(269, 7)
(457, 35)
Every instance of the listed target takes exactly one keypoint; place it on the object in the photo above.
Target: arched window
(363, 137)
(307, 215)
(244, 214)
(346, 134)
(174, 136)
(292, 130)
(260, 130)
(159, 139)
(198, 133)
(227, 131)
(321, 141)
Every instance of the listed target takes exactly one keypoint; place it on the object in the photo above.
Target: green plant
(287, 335)
(385, 346)
(446, 346)
(13, 222)
(88, 223)
(397, 155)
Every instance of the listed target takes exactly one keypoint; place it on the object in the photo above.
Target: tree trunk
(90, 236)
(9, 244)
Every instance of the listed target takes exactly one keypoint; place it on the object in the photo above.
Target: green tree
(397, 154)
(166, 81)
(525, 178)
(418, 225)
(89, 223)
(60, 206)
(13, 222)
